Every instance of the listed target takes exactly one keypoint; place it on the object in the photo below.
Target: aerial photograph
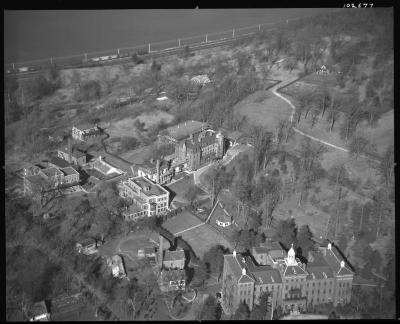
(199, 164)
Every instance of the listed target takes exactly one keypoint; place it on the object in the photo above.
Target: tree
(90, 90)
(202, 272)
(186, 52)
(242, 312)
(214, 257)
(262, 141)
(211, 309)
(286, 232)
(129, 143)
(191, 194)
(304, 240)
(386, 166)
(261, 310)
(359, 145)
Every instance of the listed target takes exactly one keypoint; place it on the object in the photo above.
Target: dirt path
(275, 90)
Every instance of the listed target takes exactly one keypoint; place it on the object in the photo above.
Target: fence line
(205, 38)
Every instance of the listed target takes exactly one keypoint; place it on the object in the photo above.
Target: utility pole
(206, 38)
(85, 57)
(233, 33)
(118, 51)
(259, 27)
(179, 43)
(149, 48)
(51, 60)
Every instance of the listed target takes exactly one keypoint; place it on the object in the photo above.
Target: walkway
(275, 90)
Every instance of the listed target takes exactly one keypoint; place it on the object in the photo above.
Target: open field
(181, 222)
(123, 127)
(268, 112)
(139, 155)
(181, 187)
(150, 119)
(202, 238)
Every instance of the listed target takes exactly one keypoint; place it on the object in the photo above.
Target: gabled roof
(59, 162)
(267, 276)
(260, 250)
(69, 171)
(51, 172)
(245, 279)
(168, 275)
(293, 271)
(333, 259)
(319, 272)
(234, 264)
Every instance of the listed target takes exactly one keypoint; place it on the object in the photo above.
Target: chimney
(329, 246)
(160, 252)
(158, 170)
(69, 150)
(234, 253)
(342, 264)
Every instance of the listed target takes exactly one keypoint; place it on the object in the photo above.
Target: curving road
(275, 90)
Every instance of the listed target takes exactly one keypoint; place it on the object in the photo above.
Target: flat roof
(183, 130)
(149, 188)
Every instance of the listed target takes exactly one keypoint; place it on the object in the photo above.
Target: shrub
(90, 90)
(129, 143)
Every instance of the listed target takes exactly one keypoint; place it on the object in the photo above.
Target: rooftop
(183, 130)
(51, 172)
(260, 250)
(75, 152)
(59, 162)
(319, 272)
(334, 259)
(85, 126)
(37, 180)
(234, 264)
(197, 141)
(69, 171)
(148, 188)
(168, 275)
(174, 255)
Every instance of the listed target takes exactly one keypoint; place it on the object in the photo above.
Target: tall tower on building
(220, 141)
(291, 258)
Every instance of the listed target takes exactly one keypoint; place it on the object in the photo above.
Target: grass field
(139, 155)
(150, 119)
(181, 187)
(181, 222)
(268, 112)
(201, 238)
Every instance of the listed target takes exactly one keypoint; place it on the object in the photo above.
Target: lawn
(265, 109)
(181, 187)
(181, 222)
(202, 238)
(153, 118)
(139, 155)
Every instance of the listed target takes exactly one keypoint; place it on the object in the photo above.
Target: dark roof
(174, 255)
(183, 130)
(246, 278)
(59, 162)
(196, 142)
(51, 172)
(318, 272)
(260, 250)
(37, 180)
(334, 259)
(117, 163)
(294, 271)
(151, 166)
(75, 152)
(234, 264)
(69, 170)
(267, 276)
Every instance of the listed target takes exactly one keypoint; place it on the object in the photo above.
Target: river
(39, 34)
